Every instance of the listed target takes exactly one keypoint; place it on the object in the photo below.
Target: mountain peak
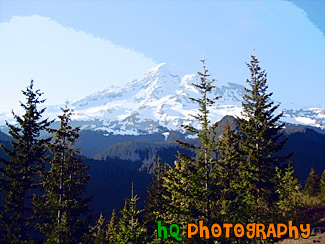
(164, 69)
(160, 102)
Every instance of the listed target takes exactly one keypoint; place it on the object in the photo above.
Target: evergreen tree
(229, 204)
(185, 184)
(112, 230)
(63, 207)
(130, 229)
(155, 205)
(20, 174)
(100, 231)
(312, 184)
(288, 189)
(193, 183)
(261, 142)
(205, 183)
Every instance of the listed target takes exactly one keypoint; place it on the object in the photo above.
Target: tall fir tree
(20, 174)
(205, 163)
(63, 208)
(192, 183)
(261, 141)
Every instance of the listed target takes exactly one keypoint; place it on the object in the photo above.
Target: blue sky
(74, 48)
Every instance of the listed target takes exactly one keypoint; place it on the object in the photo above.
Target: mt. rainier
(160, 102)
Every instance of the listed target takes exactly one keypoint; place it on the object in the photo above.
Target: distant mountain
(144, 152)
(306, 144)
(94, 142)
(159, 103)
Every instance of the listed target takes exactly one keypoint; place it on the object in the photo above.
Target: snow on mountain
(160, 102)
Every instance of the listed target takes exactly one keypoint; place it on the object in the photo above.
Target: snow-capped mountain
(160, 102)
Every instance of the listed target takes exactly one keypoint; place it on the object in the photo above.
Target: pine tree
(185, 184)
(155, 205)
(112, 230)
(20, 174)
(100, 232)
(312, 184)
(261, 142)
(288, 189)
(63, 207)
(130, 229)
(192, 182)
(228, 172)
(205, 162)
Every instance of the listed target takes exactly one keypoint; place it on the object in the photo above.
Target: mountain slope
(306, 144)
(159, 102)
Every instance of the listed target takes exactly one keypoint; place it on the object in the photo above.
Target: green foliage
(312, 184)
(105, 231)
(112, 229)
(322, 187)
(129, 227)
(63, 207)
(229, 204)
(184, 184)
(19, 174)
(100, 232)
(288, 189)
